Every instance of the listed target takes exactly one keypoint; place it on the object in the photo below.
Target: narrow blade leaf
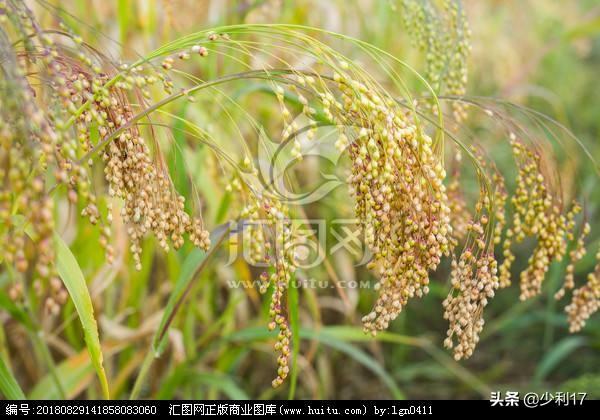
(8, 384)
(192, 266)
(70, 273)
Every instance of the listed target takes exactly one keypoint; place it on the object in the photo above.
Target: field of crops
(271, 199)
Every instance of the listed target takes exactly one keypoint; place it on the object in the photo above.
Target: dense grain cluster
(397, 181)
(268, 227)
(277, 216)
(585, 300)
(410, 220)
(443, 34)
(537, 213)
(575, 254)
(474, 276)
(49, 135)
(29, 146)
(474, 281)
(255, 245)
(49, 131)
(150, 202)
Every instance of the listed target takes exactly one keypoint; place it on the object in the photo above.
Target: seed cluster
(585, 300)
(29, 145)
(277, 216)
(151, 205)
(537, 213)
(256, 245)
(474, 276)
(410, 219)
(474, 281)
(48, 133)
(150, 202)
(269, 215)
(443, 34)
(397, 182)
(575, 255)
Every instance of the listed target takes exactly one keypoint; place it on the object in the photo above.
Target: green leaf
(123, 8)
(8, 384)
(75, 375)
(222, 382)
(70, 273)
(177, 156)
(357, 354)
(330, 340)
(192, 266)
(184, 375)
(224, 205)
(251, 334)
(350, 333)
(556, 354)
(347, 333)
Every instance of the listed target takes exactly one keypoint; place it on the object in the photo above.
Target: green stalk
(193, 266)
(36, 338)
(135, 392)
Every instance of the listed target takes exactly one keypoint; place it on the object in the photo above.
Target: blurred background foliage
(543, 54)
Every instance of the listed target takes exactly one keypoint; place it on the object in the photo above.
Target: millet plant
(83, 132)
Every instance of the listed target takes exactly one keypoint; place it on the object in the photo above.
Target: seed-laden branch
(65, 104)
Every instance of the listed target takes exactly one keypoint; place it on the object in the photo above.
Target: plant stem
(40, 344)
(160, 336)
(143, 373)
